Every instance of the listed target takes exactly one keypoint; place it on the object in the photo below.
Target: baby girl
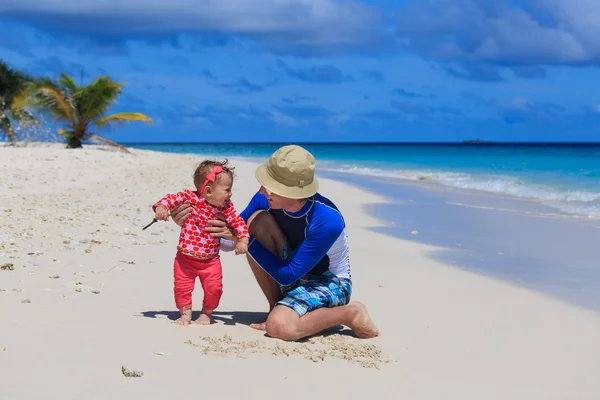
(197, 251)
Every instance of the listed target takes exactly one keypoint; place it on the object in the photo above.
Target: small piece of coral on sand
(130, 373)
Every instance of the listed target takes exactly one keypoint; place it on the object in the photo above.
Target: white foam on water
(578, 202)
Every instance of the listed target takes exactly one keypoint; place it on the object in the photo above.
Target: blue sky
(326, 70)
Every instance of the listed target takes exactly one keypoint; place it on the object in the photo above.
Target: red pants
(186, 269)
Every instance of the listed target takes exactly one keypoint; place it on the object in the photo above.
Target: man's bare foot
(361, 323)
(260, 325)
(204, 318)
(186, 317)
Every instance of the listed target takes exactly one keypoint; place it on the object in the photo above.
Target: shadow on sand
(226, 317)
(244, 318)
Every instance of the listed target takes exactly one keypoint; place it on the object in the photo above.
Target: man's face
(276, 201)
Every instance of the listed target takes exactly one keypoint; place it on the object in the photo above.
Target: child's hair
(206, 167)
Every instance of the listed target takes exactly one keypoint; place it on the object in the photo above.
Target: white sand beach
(84, 293)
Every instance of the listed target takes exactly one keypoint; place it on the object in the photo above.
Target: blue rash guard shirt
(316, 237)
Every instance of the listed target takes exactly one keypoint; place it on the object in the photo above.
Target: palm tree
(14, 87)
(82, 109)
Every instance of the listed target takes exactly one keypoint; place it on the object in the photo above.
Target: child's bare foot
(186, 317)
(204, 318)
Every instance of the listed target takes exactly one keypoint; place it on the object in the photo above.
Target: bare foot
(186, 317)
(361, 324)
(204, 318)
(260, 325)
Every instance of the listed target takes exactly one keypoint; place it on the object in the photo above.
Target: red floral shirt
(194, 240)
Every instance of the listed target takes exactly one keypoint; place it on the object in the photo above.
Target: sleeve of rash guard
(235, 221)
(258, 202)
(172, 200)
(322, 234)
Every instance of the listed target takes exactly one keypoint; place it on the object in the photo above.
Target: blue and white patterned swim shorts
(316, 291)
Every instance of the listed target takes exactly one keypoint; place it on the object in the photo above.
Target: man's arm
(323, 233)
(258, 202)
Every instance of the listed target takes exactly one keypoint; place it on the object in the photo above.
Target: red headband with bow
(217, 169)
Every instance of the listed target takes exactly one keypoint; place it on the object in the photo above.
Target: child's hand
(241, 248)
(161, 214)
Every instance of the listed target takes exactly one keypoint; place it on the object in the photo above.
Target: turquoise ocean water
(563, 176)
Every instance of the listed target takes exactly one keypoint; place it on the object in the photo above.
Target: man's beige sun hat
(289, 172)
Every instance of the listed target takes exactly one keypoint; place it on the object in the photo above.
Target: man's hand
(181, 213)
(219, 228)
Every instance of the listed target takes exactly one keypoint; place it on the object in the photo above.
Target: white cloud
(305, 23)
(285, 120)
(519, 102)
(546, 32)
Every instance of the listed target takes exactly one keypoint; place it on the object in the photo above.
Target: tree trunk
(74, 143)
(11, 137)
(9, 132)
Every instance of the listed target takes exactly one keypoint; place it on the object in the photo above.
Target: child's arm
(169, 202)
(241, 246)
(235, 221)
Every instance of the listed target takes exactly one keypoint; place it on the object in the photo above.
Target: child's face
(220, 191)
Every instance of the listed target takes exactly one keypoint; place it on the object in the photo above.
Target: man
(298, 251)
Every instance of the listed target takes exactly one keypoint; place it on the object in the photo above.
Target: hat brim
(291, 192)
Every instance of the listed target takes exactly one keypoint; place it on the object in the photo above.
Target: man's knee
(263, 227)
(261, 222)
(282, 327)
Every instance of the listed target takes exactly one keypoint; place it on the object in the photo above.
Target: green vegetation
(14, 89)
(81, 109)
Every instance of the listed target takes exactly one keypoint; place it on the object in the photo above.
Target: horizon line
(481, 143)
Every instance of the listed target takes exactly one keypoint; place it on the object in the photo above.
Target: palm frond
(68, 83)
(123, 117)
(65, 132)
(110, 143)
(25, 98)
(24, 117)
(98, 97)
(14, 86)
(56, 101)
